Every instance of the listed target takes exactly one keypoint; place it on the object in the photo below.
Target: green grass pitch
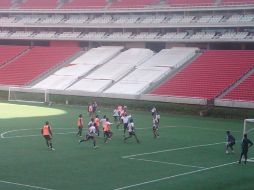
(188, 155)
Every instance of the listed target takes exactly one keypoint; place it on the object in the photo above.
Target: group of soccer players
(246, 143)
(122, 117)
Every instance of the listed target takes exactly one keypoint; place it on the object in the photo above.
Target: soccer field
(189, 154)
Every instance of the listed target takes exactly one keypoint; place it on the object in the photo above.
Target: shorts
(155, 128)
(125, 126)
(131, 133)
(47, 137)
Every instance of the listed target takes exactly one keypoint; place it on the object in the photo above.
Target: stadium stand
(35, 4)
(151, 71)
(34, 63)
(133, 3)
(208, 75)
(190, 2)
(87, 4)
(236, 2)
(8, 53)
(113, 70)
(66, 76)
(4, 4)
(243, 92)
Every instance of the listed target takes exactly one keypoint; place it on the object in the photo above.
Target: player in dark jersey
(246, 143)
(230, 142)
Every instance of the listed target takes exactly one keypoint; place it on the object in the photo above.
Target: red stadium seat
(209, 74)
(34, 63)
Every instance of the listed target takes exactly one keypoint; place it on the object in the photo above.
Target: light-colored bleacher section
(55, 19)
(152, 71)
(146, 35)
(4, 33)
(138, 81)
(7, 20)
(69, 35)
(113, 70)
(56, 82)
(119, 35)
(77, 19)
(203, 36)
(90, 85)
(153, 19)
(45, 34)
(66, 76)
(21, 34)
(208, 75)
(105, 19)
(126, 19)
(171, 58)
(93, 35)
(234, 35)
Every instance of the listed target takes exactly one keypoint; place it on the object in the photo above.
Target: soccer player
(47, 134)
(230, 142)
(90, 109)
(125, 120)
(102, 121)
(80, 124)
(97, 124)
(107, 132)
(131, 130)
(155, 127)
(91, 123)
(90, 135)
(246, 143)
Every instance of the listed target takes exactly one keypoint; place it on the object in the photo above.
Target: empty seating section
(122, 64)
(112, 71)
(243, 92)
(34, 63)
(236, 2)
(68, 75)
(171, 58)
(85, 4)
(7, 53)
(41, 4)
(152, 71)
(138, 80)
(133, 3)
(208, 75)
(5, 4)
(190, 2)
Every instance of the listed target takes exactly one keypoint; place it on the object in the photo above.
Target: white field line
(2, 135)
(168, 163)
(24, 185)
(173, 149)
(175, 176)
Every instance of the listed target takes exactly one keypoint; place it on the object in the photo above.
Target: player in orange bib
(97, 124)
(47, 134)
(80, 124)
(106, 129)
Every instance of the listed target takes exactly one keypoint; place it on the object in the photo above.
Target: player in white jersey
(125, 120)
(131, 130)
(90, 135)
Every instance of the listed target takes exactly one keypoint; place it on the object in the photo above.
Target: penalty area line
(173, 149)
(24, 185)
